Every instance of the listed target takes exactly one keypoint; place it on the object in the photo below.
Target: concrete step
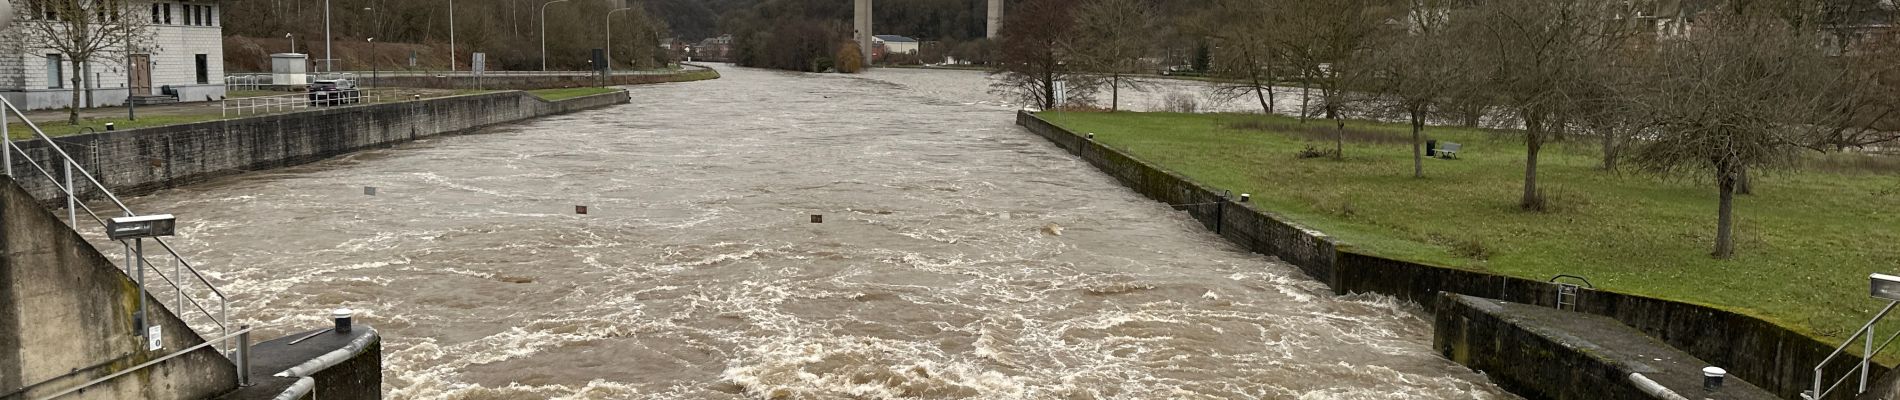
(1542, 352)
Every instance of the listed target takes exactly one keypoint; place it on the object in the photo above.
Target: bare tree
(1111, 38)
(1538, 52)
(1331, 41)
(84, 32)
(1242, 31)
(1033, 55)
(1419, 71)
(1740, 94)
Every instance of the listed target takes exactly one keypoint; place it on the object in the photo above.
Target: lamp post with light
(544, 33)
(610, 39)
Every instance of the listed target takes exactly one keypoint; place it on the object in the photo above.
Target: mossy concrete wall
(141, 161)
(66, 317)
(530, 82)
(1771, 356)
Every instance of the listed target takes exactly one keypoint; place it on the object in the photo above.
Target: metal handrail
(1866, 331)
(243, 362)
(241, 106)
(221, 319)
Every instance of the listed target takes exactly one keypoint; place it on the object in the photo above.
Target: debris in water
(1052, 229)
(1210, 295)
(817, 219)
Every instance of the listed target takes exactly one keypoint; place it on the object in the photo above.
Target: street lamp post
(328, 56)
(374, 69)
(544, 33)
(451, 35)
(293, 42)
(610, 40)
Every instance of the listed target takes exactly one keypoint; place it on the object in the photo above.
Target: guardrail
(135, 263)
(242, 106)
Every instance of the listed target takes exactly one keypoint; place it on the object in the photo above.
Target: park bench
(1449, 150)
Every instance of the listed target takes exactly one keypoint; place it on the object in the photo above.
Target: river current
(958, 257)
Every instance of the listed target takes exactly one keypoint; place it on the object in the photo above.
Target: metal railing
(135, 262)
(241, 106)
(1866, 334)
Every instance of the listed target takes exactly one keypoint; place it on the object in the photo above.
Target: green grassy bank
(1807, 239)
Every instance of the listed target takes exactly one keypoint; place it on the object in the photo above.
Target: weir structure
(862, 30)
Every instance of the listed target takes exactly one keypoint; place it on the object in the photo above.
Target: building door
(140, 66)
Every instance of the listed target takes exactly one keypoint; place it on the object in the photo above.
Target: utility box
(289, 69)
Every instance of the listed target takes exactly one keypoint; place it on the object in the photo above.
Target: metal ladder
(1567, 292)
(214, 326)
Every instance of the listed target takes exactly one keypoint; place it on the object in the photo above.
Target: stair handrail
(6, 153)
(1865, 332)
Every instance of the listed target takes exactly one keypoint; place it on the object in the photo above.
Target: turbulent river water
(959, 257)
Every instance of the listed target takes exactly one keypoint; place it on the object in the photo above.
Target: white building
(185, 52)
(893, 44)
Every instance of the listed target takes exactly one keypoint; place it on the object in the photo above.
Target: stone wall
(66, 317)
(1774, 357)
(530, 82)
(142, 161)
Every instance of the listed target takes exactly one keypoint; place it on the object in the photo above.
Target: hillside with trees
(508, 31)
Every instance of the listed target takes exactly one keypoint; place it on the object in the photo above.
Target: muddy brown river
(959, 257)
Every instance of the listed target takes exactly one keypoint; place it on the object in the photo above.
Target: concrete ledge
(142, 161)
(329, 365)
(1545, 353)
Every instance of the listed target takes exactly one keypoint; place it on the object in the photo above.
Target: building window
(204, 70)
(55, 77)
(155, 14)
(191, 14)
(211, 15)
(168, 13)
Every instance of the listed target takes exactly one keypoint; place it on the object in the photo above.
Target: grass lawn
(19, 131)
(569, 93)
(1806, 240)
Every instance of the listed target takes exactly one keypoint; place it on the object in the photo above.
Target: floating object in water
(1052, 229)
(817, 218)
(582, 210)
(369, 190)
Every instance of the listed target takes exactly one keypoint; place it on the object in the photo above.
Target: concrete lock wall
(66, 317)
(530, 82)
(1773, 357)
(142, 161)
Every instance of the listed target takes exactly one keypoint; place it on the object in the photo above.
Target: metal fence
(242, 106)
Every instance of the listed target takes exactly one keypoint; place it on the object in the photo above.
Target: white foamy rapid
(959, 257)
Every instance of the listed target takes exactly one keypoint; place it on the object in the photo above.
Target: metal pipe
(72, 195)
(6, 135)
(1866, 355)
(140, 245)
(244, 356)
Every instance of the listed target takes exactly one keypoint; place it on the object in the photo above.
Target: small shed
(289, 69)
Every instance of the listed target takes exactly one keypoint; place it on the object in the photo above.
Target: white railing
(184, 273)
(1868, 350)
(241, 106)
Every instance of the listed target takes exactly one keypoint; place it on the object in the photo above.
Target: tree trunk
(1418, 155)
(1306, 98)
(1265, 107)
(72, 112)
(1534, 141)
(1048, 91)
(1725, 214)
(1115, 93)
(1339, 137)
(1609, 149)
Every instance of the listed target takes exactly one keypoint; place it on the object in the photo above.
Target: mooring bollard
(1244, 197)
(1712, 378)
(342, 316)
(1091, 135)
(110, 127)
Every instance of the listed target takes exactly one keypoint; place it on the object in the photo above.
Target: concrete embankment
(142, 161)
(1773, 357)
(537, 81)
(67, 317)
